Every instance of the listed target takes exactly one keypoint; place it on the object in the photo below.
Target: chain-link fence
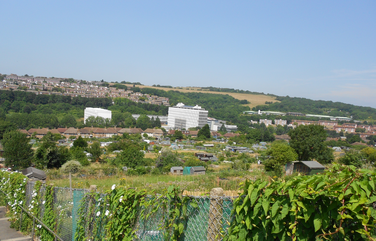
(208, 221)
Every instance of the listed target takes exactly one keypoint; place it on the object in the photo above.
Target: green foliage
(143, 122)
(352, 157)
(280, 153)
(49, 217)
(17, 150)
(336, 205)
(131, 155)
(204, 132)
(13, 185)
(178, 135)
(80, 142)
(288, 104)
(71, 167)
(68, 121)
(309, 143)
(48, 155)
(95, 150)
(167, 159)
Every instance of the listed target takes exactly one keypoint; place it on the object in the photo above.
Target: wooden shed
(305, 167)
(200, 170)
(177, 170)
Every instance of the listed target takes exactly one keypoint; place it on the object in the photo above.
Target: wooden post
(215, 214)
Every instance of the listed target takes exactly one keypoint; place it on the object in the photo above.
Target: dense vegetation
(320, 107)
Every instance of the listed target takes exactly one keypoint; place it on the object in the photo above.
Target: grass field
(196, 185)
(252, 98)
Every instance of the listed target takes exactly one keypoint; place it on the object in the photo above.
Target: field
(252, 98)
(217, 176)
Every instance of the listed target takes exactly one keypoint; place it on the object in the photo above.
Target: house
(71, 132)
(177, 170)
(265, 121)
(205, 156)
(305, 167)
(130, 131)
(39, 133)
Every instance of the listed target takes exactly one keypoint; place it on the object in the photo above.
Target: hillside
(253, 99)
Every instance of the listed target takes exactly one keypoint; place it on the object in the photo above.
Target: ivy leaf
(317, 222)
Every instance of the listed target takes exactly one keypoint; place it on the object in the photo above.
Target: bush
(71, 166)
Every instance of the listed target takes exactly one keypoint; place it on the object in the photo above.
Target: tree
(17, 150)
(223, 128)
(204, 132)
(352, 157)
(308, 142)
(131, 156)
(80, 142)
(157, 122)
(68, 121)
(178, 135)
(143, 122)
(280, 153)
(95, 150)
(6, 126)
(166, 160)
(48, 155)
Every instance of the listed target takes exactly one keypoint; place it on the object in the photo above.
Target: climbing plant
(336, 205)
(49, 216)
(13, 185)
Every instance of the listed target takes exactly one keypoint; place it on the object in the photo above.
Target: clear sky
(314, 49)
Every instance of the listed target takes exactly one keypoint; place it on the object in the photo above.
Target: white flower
(113, 187)
(107, 212)
(121, 199)
(43, 202)
(98, 213)
(20, 202)
(39, 226)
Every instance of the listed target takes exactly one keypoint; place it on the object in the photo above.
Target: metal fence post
(93, 188)
(32, 231)
(215, 214)
(21, 221)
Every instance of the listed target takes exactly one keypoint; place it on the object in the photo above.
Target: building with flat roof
(89, 111)
(184, 117)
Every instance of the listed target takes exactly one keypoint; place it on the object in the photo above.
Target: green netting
(187, 171)
(77, 197)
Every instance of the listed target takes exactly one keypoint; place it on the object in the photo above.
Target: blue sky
(314, 49)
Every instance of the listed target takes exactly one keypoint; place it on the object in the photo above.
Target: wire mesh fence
(208, 219)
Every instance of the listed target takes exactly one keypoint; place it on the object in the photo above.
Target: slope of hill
(254, 99)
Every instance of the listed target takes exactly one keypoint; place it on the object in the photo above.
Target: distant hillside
(253, 98)
(307, 106)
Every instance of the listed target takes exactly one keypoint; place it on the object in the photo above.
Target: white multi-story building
(280, 122)
(97, 112)
(183, 117)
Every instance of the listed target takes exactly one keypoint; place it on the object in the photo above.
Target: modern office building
(97, 112)
(183, 117)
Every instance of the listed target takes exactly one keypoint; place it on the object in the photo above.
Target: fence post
(215, 214)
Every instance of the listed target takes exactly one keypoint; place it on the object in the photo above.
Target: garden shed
(34, 174)
(305, 167)
(177, 170)
(200, 170)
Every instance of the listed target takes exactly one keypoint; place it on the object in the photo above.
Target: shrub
(71, 166)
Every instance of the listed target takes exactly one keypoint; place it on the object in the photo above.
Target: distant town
(75, 88)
